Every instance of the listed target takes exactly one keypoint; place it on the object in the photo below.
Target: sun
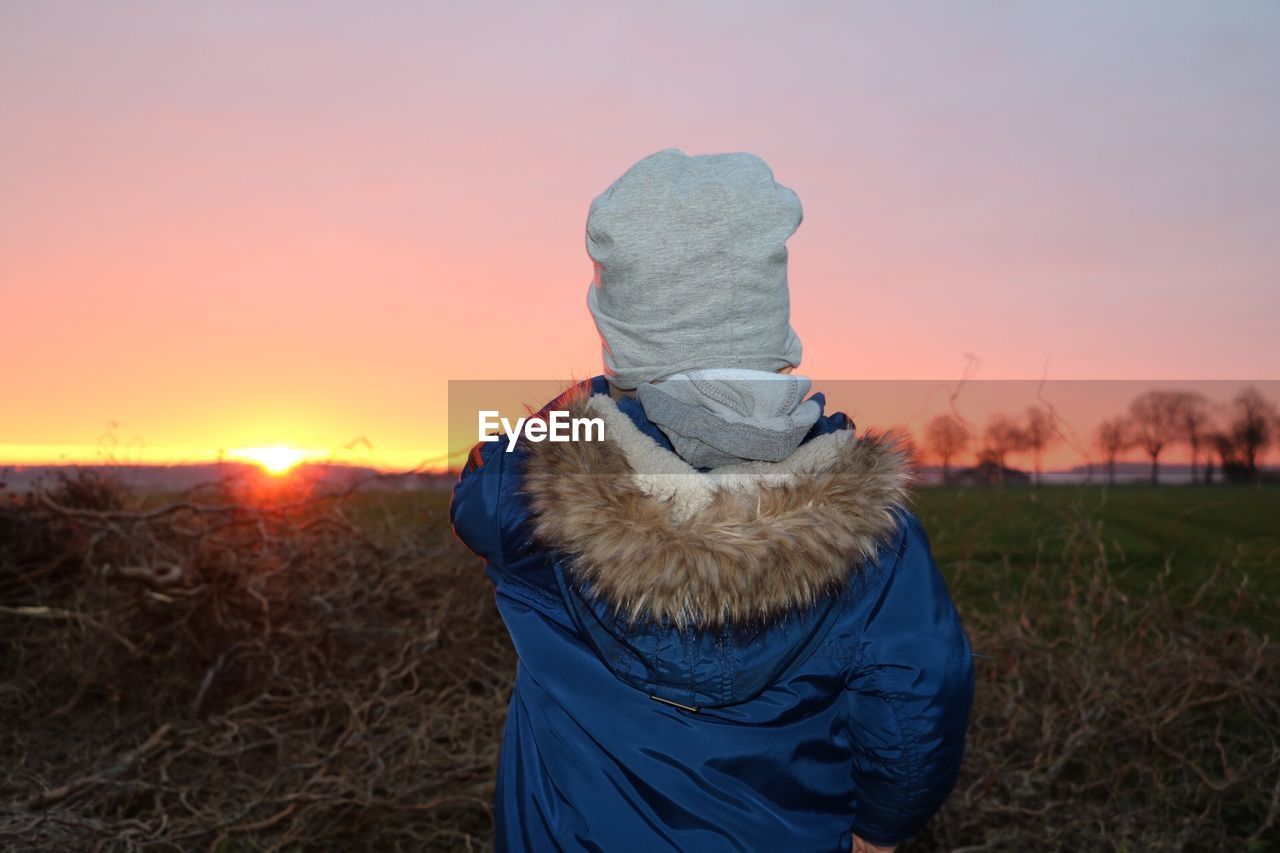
(277, 459)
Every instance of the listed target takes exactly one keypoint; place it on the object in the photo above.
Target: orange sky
(232, 225)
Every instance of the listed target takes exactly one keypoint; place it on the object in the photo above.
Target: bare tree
(1193, 422)
(1155, 424)
(1253, 426)
(945, 436)
(1225, 445)
(1001, 437)
(1114, 436)
(1037, 435)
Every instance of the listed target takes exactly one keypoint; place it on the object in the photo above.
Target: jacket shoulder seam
(520, 588)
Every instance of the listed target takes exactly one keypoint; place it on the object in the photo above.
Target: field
(1214, 542)
(211, 672)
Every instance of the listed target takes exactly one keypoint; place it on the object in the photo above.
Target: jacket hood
(658, 539)
(702, 589)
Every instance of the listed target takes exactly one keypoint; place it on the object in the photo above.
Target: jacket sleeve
(476, 504)
(910, 692)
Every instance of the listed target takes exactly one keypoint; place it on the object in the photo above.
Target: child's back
(754, 652)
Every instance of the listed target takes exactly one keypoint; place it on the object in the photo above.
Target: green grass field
(1224, 539)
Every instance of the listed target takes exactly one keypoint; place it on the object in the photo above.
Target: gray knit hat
(690, 264)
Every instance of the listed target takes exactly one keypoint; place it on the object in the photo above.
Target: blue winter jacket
(767, 665)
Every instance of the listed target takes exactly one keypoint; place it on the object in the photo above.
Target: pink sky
(237, 224)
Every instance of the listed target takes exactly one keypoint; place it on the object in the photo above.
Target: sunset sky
(241, 224)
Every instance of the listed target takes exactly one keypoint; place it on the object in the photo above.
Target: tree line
(1155, 421)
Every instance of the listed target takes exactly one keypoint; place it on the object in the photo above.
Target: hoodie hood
(707, 585)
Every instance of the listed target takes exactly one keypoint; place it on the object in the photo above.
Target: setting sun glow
(276, 459)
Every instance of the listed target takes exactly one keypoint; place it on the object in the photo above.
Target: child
(731, 632)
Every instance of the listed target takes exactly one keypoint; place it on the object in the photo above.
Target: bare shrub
(1107, 720)
(316, 672)
(211, 673)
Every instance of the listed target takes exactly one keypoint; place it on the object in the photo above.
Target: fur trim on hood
(660, 539)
